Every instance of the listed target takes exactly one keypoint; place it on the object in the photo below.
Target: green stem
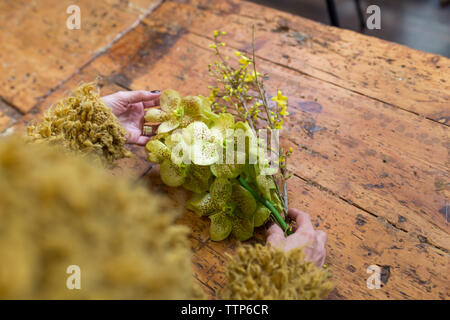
(278, 218)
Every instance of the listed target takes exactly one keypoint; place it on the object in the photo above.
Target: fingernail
(155, 91)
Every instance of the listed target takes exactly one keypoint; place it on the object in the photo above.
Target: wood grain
(408, 79)
(39, 52)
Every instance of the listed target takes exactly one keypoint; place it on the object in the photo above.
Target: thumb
(142, 140)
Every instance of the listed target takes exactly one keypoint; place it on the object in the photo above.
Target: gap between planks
(352, 203)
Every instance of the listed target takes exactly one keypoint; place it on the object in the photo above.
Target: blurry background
(419, 24)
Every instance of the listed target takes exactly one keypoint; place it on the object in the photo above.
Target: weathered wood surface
(369, 128)
(39, 52)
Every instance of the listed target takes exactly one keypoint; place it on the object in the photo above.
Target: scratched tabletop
(369, 121)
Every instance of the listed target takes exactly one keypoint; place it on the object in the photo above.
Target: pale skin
(128, 107)
(304, 235)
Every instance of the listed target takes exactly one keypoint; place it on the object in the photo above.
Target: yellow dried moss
(82, 122)
(58, 210)
(259, 272)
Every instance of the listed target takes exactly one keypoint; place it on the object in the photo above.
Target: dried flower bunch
(257, 272)
(123, 238)
(82, 122)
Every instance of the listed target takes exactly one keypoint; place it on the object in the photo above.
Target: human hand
(312, 241)
(128, 107)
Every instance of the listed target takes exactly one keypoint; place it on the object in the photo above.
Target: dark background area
(419, 24)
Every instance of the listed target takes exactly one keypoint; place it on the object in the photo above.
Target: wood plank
(8, 115)
(412, 270)
(4, 121)
(409, 79)
(357, 239)
(39, 51)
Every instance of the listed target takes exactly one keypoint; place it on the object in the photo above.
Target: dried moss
(82, 122)
(58, 210)
(259, 272)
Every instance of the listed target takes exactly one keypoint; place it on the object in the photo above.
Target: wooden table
(369, 121)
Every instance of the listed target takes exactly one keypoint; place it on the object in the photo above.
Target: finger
(322, 237)
(302, 219)
(275, 230)
(139, 106)
(139, 96)
(133, 136)
(142, 140)
(151, 103)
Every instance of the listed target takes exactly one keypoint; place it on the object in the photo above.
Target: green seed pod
(171, 174)
(244, 201)
(261, 215)
(221, 191)
(220, 227)
(201, 204)
(169, 100)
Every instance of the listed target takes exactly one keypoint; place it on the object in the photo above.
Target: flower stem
(276, 215)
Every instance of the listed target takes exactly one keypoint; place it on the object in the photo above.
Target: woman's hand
(312, 241)
(128, 107)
